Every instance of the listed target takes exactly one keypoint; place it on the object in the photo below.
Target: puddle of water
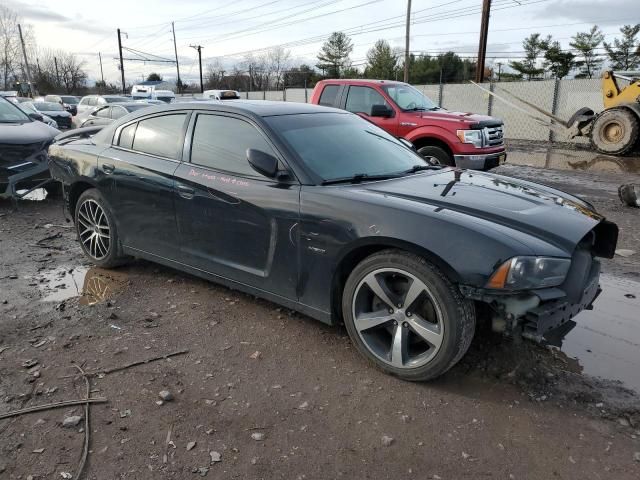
(605, 341)
(92, 285)
(566, 159)
(37, 195)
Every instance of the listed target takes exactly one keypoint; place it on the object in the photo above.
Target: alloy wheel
(94, 229)
(397, 318)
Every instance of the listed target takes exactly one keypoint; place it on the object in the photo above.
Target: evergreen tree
(533, 45)
(154, 77)
(559, 63)
(586, 44)
(624, 54)
(334, 54)
(382, 62)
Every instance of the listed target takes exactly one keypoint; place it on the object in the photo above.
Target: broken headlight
(523, 273)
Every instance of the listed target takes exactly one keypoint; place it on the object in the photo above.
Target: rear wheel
(405, 316)
(97, 230)
(436, 156)
(615, 131)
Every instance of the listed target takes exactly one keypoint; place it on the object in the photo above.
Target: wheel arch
(358, 251)
(433, 142)
(75, 190)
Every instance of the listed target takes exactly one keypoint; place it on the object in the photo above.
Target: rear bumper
(481, 161)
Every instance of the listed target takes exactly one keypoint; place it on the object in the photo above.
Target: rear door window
(361, 99)
(160, 136)
(102, 113)
(328, 95)
(126, 136)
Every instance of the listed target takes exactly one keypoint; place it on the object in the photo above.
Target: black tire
(615, 131)
(436, 156)
(101, 253)
(457, 314)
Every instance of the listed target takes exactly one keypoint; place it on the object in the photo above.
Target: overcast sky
(229, 29)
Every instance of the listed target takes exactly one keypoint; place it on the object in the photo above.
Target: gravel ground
(271, 393)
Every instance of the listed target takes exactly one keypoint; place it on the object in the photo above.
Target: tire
(615, 131)
(96, 229)
(439, 312)
(436, 156)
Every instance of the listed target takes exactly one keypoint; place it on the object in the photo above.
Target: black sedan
(55, 111)
(323, 212)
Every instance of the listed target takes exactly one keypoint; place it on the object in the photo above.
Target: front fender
(439, 133)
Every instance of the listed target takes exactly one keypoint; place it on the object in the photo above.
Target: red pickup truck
(465, 140)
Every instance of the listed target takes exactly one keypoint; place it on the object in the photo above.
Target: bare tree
(11, 61)
(214, 74)
(278, 61)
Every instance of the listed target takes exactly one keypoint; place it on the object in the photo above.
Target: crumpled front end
(22, 166)
(537, 312)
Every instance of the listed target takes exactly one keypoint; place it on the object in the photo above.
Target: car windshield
(166, 99)
(409, 98)
(10, 113)
(336, 146)
(115, 99)
(69, 100)
(48, 106)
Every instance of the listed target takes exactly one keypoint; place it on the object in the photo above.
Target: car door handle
(108, 168)
(186, 192)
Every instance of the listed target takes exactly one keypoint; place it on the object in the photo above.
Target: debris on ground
(630, 194)
(71, 421)
(257, 436)
(165, 395)
(623, 252)
(387, 441)
(215, 457)
(191, 446)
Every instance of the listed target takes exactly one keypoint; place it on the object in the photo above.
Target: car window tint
(91, 101)
(102, 113)
(126, 136)
(160, 135)
(222, 142)
(361, 99)
(328, 96)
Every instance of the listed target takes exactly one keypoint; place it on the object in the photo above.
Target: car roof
(363, 81)
(261, 108)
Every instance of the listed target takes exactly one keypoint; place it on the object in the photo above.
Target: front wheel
(436, 156)
(405, 316)
(96, 229)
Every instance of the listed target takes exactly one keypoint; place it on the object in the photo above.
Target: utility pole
(406, 43)
(55, 61)
(499, 69)
(199, 49)
(101, 72)
(175, 49)
(482, 47)
(121, 62)
(27, 70)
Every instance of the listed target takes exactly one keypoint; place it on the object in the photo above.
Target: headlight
(471, 136)
(523, 273)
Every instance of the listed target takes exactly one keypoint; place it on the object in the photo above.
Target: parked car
(91, 101)
(108, 113)
(68, 102)
(466, 140)
(11, 95)
(54, 111)
(29, 109)
(23, 150)
(149, 92)
(221, 94)
(323, 212)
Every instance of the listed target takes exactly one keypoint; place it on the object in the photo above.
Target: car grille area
(494, 136)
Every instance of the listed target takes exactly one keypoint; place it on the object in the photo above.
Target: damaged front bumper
(536, 313)
(23, 167)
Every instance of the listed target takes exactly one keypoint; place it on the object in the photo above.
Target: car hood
(551, 215)
(465, 119)
(27, 132)
(55, 113)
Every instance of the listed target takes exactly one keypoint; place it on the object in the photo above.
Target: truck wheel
(436, 156)
(96, 229)
(615, 131)
(405, 316)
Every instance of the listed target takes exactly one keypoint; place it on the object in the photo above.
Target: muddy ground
(278, 395)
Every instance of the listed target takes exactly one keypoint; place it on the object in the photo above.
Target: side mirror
(263, 163)
(36, 116)
(381, 111)
(407, 143)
